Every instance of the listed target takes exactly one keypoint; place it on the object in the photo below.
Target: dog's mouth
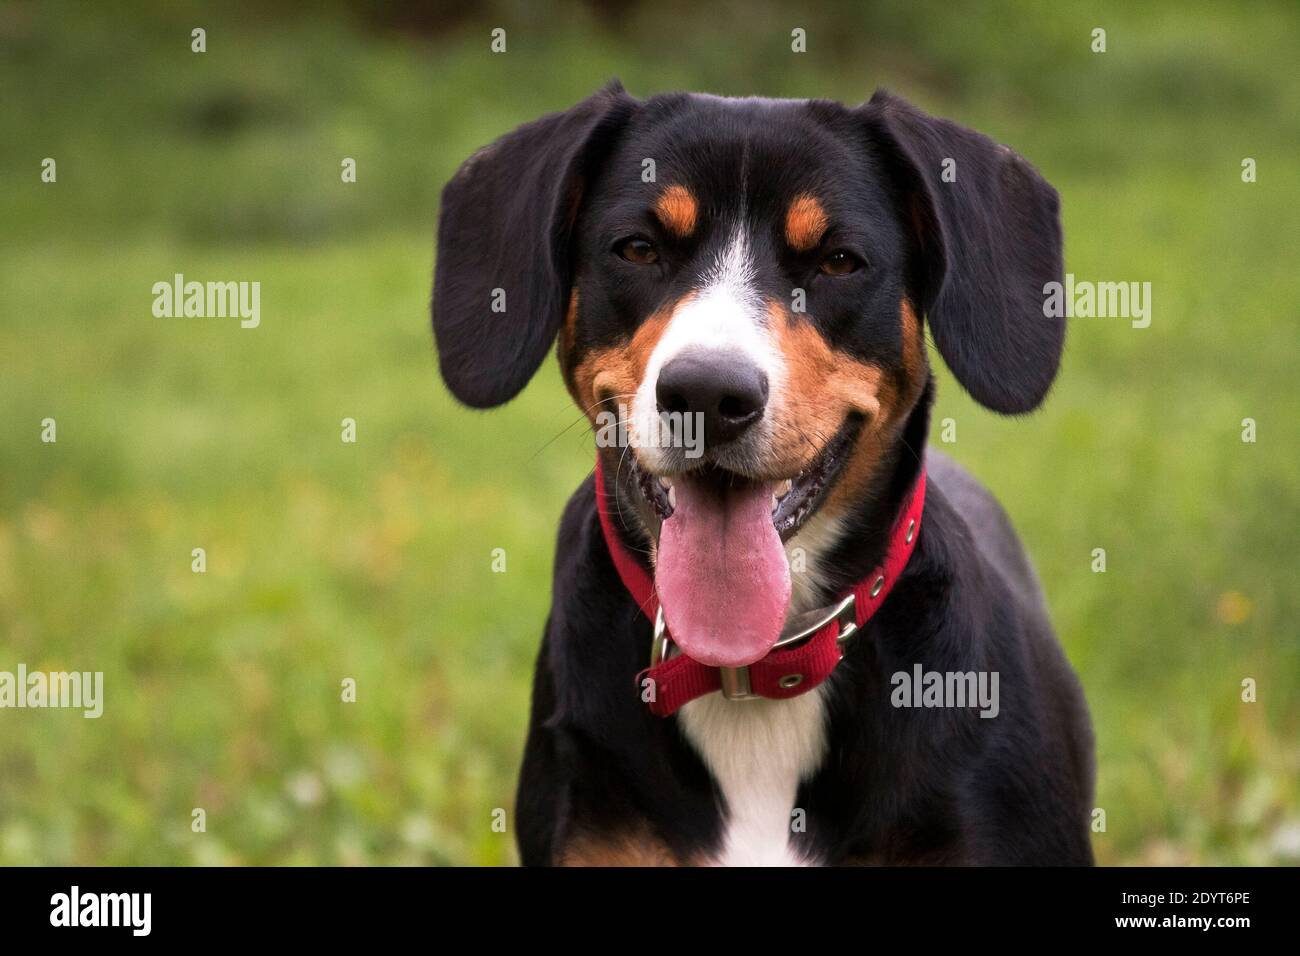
(793, 500)
(721, 571)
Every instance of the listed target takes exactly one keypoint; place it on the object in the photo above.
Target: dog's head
(738, 288)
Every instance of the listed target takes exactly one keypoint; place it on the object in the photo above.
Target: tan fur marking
(637, 847)
(614, 373)
(677, 210)
(805, 223)
(823, 386)
(914, 364)
(568, 335)
(897, 401)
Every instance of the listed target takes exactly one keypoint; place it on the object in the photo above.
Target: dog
(757, 647)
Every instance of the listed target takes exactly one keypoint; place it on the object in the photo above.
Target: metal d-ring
(661, 645)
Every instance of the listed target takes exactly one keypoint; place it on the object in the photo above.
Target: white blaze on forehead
(733, 271)
(726, 312)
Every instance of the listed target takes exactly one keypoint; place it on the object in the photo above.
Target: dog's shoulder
(987, 529)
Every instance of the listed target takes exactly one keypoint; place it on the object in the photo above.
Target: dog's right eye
(841, 262)
(637, 250)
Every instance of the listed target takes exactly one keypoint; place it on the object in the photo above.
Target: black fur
(899, 786)
(991, 240)
(506, 222)
(540, 210)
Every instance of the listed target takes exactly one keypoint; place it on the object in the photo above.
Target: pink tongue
(721, 573)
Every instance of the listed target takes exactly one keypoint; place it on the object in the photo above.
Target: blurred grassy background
(372, 561)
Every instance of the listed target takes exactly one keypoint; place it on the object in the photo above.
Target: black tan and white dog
(768, 649)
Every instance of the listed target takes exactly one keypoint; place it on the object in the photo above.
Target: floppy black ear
(503, 270)
(990, 240)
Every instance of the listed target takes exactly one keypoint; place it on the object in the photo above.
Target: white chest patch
(758, 751)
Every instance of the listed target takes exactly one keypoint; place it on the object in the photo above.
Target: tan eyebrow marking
(805, 223)
(677, 210)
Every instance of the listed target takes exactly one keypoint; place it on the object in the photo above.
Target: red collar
(808, 649)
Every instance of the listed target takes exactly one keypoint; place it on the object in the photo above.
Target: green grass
(373, 560)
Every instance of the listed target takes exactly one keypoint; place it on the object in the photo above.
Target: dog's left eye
(637, 250)
(841, 262)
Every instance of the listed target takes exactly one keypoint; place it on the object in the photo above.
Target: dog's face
(739, 285)
(755, 292)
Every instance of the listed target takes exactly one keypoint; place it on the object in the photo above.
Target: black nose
(724, 387)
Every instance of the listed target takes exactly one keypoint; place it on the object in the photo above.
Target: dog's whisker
(567, 428)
